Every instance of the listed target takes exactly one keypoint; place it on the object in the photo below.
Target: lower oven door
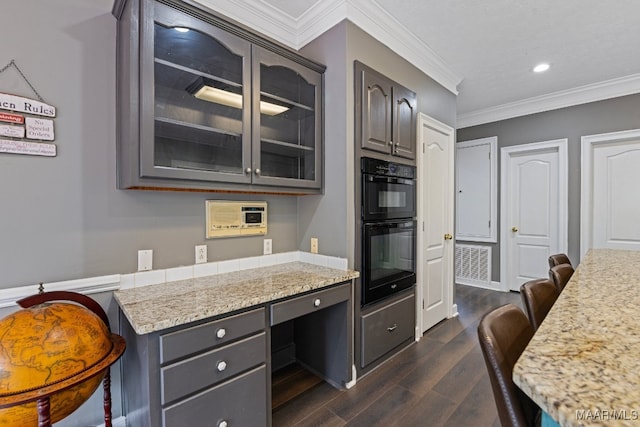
(389, 258)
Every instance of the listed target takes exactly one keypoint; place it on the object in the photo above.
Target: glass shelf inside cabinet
(287, 124)
(199, 97)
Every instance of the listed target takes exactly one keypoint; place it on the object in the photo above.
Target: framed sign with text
(25, 123)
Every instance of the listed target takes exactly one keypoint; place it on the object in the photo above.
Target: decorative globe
(48, 344)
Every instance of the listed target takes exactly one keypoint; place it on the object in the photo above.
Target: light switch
(145, 260)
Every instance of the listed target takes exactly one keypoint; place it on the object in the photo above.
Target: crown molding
(258, 15)
(613, 88)
(373, 19)
(323, 15)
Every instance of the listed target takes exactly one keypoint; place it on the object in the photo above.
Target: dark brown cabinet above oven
(385, 114)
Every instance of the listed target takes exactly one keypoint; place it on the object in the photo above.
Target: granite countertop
(583, 364)
(157, 307)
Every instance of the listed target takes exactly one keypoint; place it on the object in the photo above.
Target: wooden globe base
(42, 395)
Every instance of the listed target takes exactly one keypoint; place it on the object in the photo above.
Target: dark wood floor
(439, 381)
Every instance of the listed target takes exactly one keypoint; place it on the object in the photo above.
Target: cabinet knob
(221, 366)
(247, 170)
(257, 171)
(392, 328)
(316, 302)
(220, 333)
(391, 143)
(223, 423)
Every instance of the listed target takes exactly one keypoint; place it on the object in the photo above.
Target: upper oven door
(385, 197)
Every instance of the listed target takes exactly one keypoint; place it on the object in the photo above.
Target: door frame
(588, 145)
(560, 145)
(452, 310)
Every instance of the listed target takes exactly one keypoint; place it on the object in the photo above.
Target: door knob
(448, 236)
(514, 229)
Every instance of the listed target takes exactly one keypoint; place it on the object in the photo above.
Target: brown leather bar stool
(538, 296)
(504, 333)
(558, 259)
(560, 274)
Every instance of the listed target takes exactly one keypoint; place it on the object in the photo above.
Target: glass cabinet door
(287, 132)
(196, 126)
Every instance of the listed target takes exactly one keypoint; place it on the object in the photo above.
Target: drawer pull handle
(392, 328)
(316, 302)
(223, 423)
(220, 333)
(221, 366)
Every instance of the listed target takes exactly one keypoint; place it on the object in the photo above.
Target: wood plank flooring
(440, 381)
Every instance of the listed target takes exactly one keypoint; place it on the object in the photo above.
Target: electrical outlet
(145, 260)
(267, 248)
(314, 245)
(201, 254)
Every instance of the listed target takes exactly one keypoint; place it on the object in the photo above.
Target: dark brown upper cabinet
(385, 114)
(205, 105)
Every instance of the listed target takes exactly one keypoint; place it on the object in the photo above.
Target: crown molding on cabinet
(366, 14)
(566, 98)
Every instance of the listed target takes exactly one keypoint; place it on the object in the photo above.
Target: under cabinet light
(220, 96)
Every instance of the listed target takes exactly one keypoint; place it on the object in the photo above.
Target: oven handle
(389, 180)
(405, 224)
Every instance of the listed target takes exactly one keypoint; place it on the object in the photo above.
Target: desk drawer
(204, 370)
(239, 402)
(296, 307)
(182, 343)
(386, 328)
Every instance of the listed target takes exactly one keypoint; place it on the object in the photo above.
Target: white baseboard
(493, 286)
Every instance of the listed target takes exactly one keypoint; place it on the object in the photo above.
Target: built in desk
(582, 366)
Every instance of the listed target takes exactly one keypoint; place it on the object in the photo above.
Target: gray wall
(63, 218)
(610, 115)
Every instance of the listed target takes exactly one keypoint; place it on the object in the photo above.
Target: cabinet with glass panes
(204, 105)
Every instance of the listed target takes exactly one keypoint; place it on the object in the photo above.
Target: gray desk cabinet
(385, 114)
(217, 371)
(206, 105)
(208, 374)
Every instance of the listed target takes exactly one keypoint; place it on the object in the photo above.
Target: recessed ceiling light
(541, 67)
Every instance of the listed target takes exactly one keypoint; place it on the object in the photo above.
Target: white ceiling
(482, 50)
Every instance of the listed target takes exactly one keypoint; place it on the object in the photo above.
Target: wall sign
(11, 118)
(26, 147)
(25, 125)
(26, 105)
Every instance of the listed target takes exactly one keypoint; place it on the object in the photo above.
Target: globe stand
(42, 395)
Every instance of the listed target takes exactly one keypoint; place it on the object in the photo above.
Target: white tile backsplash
(180, 273)
(285, 257)
(153, 277)
(250, 262)
(127, 281)
(206, 269)
(268, 260)
(228, 266)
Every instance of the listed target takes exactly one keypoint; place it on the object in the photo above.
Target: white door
(534, 204)
(611, 175)
(435, 219)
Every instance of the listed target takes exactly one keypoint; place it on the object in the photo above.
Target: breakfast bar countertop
(582, 365)
(157, 307)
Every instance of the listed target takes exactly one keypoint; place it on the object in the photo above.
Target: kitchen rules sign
(18, 122)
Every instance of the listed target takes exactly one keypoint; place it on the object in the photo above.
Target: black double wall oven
(388, 228)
